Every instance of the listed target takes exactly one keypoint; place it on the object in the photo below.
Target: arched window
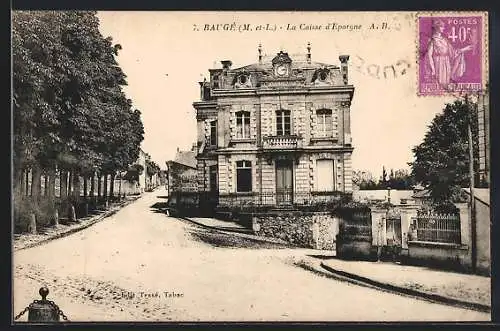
(243, 125)
(325, 122)
(283, 124)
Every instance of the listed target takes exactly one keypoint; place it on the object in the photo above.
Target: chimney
(201, 89)
(260, 54)
(343, 67)
(226, 64)
(308, 52)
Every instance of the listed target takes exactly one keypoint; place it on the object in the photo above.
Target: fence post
(378, 225)
(465, 225)
(406, 215)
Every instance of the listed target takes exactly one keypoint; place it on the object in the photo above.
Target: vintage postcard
(219, 166)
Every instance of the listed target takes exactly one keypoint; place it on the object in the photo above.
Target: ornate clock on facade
(281, 64)
(281, 70)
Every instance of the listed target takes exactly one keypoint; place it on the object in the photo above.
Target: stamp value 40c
(451, 53)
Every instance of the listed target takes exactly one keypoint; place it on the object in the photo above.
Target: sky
(166, 54)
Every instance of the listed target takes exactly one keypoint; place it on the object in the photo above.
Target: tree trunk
(63, 184)
(105, 187)
(19, 183)
(99, 185)
(92, 184)
(112, 185)
(85, 186)
(76, 185)
(27, 181)
(120, 187)
(45, 184)
(36, 183)
(70, 183)
(51, 189)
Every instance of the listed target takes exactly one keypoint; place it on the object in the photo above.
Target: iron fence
(443, 228)
(281, 197)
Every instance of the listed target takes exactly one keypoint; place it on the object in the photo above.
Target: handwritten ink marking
(398, 69)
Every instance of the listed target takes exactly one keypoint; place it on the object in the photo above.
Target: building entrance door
(284, 182)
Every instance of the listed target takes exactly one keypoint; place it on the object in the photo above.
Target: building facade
(275, 132)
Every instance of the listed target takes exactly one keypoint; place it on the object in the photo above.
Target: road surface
(141, 265)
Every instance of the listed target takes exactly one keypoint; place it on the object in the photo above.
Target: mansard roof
(299, 61)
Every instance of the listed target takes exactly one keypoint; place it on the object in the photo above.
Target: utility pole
(471, 186)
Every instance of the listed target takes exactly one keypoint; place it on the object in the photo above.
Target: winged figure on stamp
(444, 63)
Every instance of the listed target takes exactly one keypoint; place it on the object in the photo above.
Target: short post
(32, 224)
(72, 213)
(56, 217)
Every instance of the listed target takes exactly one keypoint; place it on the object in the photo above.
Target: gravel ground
(140, 265)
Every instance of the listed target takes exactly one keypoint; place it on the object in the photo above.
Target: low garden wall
(442, 255)
(305, 229)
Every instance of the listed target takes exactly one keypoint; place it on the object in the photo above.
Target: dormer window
(323, 76)
(242, 79)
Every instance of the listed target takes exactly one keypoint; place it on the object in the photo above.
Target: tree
(442, 159)
(69, 108)
(400, 179)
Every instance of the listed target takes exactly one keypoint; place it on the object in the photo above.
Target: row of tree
(71, 116)
(400, 179)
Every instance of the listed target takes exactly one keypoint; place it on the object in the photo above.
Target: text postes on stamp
(450, 54)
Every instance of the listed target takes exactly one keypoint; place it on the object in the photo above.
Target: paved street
(140, 265)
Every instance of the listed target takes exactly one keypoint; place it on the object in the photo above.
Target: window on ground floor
(243, 176)
(325, 175)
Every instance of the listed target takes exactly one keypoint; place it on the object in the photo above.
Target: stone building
(276, 132)
(182, 173)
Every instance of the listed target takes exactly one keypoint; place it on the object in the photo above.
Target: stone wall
(305, 229)
(483, 224)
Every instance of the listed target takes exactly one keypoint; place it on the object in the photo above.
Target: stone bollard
(56, 217)
(32, 224)
(72, 213)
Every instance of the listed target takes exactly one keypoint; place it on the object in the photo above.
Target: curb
(407, 291)
(76, 229)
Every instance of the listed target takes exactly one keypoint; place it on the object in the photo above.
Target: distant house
(181, 172)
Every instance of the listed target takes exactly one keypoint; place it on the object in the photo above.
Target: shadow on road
(162, 196)
(220, 239)
(322, 256)
(159, 205)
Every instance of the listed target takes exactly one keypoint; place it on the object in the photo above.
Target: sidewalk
(28, 240)
(471, 291)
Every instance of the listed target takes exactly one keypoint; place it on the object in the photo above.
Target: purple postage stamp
(450, 54)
